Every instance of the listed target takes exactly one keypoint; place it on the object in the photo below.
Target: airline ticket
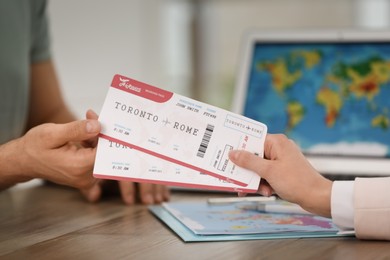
(179, 130)
(112, 162)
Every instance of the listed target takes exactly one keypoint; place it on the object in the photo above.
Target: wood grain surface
(51, 222)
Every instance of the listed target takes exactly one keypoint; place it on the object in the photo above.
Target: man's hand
(129, 191)
(54, 152)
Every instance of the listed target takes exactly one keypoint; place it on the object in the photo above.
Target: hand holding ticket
(172, 136)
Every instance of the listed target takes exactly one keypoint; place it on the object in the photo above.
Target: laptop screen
(330, 98)
(329, 92)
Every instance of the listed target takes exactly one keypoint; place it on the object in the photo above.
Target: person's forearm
(11, 169)
(62, 116)
(58, 115)
(46, 102)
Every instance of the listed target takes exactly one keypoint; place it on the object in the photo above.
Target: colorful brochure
(233, 219)
(163, 128)
(201, 222)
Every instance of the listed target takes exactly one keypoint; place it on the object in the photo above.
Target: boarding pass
(179, 130)
(118, 162)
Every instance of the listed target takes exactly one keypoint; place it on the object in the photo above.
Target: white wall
(173, 44)
(94, 39)
(372, 13)
(223, 24)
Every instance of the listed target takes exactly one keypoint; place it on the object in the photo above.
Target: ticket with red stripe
(177, 131)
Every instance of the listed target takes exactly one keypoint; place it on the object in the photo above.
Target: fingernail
(94, 193)
(148, 199)
(264, 191)
(92, 112)
(92, 126)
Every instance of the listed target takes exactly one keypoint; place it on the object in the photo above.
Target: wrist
(318, 199)
(12, 166)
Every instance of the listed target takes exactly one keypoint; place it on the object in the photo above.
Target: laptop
(329, 91)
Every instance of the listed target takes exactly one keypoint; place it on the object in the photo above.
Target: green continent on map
(286, 71)
(311, 58)
(295, 114)
(362, 79)
(332, 102)
(381, 121)
(281, 77)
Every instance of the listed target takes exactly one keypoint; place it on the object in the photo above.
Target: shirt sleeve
(342, 206)
(372, 208)
(40, 44)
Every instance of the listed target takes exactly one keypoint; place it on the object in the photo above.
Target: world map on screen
(329, 98)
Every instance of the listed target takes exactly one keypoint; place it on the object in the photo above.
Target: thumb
(91, 114)
(60, 134)
(249, 161)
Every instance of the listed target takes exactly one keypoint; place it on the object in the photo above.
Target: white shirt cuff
(342, 208)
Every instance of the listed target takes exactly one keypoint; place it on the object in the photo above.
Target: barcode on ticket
(205, 141)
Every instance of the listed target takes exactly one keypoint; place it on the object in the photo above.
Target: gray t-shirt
(24, 40)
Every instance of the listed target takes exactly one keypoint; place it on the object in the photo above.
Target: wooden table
(49, 222)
